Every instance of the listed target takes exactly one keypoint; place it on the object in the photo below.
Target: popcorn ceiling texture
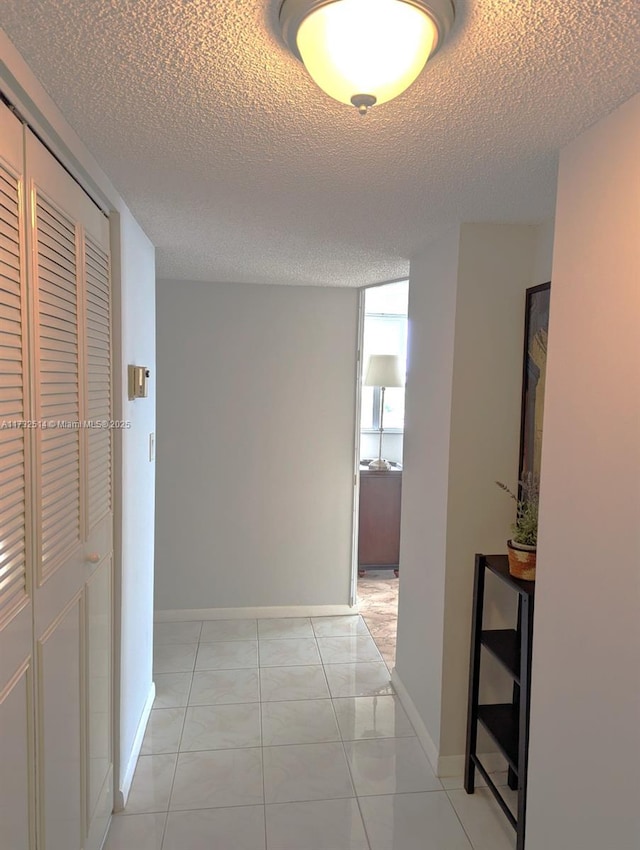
(240, 169)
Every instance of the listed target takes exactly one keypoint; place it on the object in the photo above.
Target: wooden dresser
(379, 519)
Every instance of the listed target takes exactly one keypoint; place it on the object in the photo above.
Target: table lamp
(383, 370)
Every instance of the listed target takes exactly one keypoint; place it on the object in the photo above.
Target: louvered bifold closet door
(17, 774)
(73, 527)
(98, 514)
(13, 434)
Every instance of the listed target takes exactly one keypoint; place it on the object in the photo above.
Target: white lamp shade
(384, 370)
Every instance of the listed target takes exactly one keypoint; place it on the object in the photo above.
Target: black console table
(506, 723)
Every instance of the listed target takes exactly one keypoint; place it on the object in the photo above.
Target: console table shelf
(504, 644)
(501, 722)
(506, 723)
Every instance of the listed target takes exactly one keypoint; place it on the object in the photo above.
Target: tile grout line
(184, 721)
(357, 798)
(264, 792)
(201, 808)
(166, 814)
(344, 752)
(459, 819)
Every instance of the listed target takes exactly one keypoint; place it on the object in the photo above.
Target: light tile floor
(286, 735)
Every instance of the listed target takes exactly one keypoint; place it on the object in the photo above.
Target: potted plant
(522, 546)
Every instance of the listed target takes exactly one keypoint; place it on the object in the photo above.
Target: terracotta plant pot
(522, 561)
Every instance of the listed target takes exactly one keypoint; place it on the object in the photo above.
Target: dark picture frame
(536, 331)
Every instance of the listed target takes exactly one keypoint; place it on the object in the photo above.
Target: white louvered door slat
(58, 382)
(98, 378)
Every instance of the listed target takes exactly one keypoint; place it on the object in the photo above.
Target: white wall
(135, 269)
(432, 306)
(544, 252)
(256, 419)
(585, 718)
(495, 268)
(466, 319)
(133, 288)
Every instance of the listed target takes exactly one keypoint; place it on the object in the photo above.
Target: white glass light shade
(365, 52)
(383, 370)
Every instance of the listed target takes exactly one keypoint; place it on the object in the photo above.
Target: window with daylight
(385, 332)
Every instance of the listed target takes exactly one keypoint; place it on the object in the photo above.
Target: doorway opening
(380, 437)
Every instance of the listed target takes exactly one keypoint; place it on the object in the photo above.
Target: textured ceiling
(240, 169)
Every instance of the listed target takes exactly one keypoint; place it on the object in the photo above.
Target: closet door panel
(98, 673)
(14, 392)
(72, 599)
(17, 804)
(60, 687)
(17, 773)
(98, 482)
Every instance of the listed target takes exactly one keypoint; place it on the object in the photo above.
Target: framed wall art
(536, 330)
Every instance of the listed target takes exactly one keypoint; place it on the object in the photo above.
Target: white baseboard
(418, 724)
(266, 611)
(445, 766)
(122, 793)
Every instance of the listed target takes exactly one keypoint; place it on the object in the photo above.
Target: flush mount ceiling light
(365, 52)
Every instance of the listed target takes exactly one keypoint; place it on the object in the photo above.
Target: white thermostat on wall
(138, 380)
